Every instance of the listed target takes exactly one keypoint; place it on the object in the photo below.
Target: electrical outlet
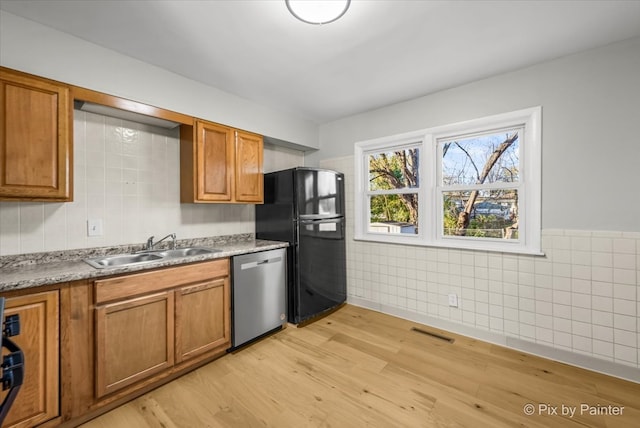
(453, 300)
(94, 227)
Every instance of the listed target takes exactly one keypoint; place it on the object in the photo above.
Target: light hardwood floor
(357, 368)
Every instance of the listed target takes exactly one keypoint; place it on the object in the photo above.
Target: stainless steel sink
(147, 256)
(122, 260)
(189, 251)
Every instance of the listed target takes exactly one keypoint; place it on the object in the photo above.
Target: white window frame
(430, 213)
(403, 141)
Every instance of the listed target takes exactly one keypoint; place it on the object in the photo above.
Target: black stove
(12, 363)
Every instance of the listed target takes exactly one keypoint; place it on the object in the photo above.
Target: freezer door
(319, 193)
(321, 259)
(275, 218)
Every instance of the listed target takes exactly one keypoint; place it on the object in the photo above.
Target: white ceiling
(381, 52)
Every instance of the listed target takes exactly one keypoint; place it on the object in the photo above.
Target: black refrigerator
(305, 207)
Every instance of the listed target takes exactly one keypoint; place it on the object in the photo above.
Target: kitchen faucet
(151, 244)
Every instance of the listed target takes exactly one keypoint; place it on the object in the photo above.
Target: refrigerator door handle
(323, 220)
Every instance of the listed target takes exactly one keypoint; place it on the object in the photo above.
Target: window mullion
(489, 186)
(407, 190)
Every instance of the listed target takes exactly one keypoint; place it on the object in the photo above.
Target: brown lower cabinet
(37, 399)
(201, 323)
(90, 346)
(134, 340)
(123, 336)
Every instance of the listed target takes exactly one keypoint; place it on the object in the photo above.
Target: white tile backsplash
(128, 175)
(582, 296)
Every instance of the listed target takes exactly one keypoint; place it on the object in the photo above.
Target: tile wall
(128, 175)
(582, 296)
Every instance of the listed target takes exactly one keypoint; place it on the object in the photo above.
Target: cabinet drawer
(148, 282)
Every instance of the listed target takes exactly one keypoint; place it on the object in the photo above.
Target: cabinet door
(249, 174)
(37, 400)
(214, 157)
(134, 340)
(35, 142)
(202, 318)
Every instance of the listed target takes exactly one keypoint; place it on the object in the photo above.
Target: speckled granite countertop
(32, 270)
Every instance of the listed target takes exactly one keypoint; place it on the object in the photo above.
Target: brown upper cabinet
(249, 163)
(217, 163)
(35, 138)
(220, 164)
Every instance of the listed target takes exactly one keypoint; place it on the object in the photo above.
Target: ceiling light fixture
(317, 12)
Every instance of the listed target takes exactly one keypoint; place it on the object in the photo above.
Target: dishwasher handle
(251, 265)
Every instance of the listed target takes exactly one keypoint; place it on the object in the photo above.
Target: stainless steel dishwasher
(259, 295)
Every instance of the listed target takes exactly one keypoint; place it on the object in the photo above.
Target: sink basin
(120, 260)
(189, 251)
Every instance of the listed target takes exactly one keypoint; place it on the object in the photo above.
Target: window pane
(394, 213)
(481, 214)
(394, 170)
(489, 158)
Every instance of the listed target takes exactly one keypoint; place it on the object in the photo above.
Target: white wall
(33, 48)
(590, 147)
(277, 158)
(128, 175)
(580, 303)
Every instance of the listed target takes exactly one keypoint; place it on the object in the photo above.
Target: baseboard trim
(583, 361)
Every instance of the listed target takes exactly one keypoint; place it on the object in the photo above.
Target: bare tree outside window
(478, 177)
(394, 180)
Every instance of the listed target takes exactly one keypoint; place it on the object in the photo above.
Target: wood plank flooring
(360, 368)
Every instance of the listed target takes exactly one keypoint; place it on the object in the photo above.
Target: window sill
(401, 240)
